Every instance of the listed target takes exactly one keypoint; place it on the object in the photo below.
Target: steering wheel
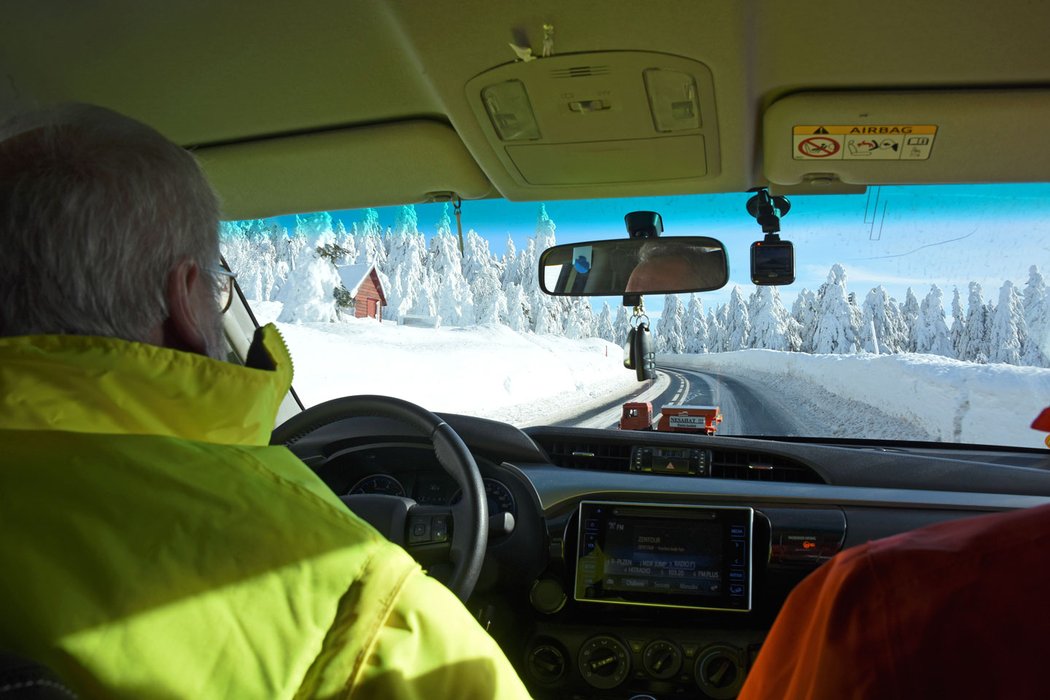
(420, 529)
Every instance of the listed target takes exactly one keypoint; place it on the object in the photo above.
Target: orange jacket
(960, 609)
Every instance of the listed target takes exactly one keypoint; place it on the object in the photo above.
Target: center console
(675, 556)
(666, 599)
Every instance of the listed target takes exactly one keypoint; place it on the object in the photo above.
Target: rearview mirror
(634, 266)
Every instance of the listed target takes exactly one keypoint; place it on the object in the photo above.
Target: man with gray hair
(153, 543)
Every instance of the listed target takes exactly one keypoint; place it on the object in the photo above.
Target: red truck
(690, 419)
(638, 415)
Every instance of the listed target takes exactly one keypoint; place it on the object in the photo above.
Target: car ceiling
(337, 104)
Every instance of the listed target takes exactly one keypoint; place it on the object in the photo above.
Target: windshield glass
(917, 313)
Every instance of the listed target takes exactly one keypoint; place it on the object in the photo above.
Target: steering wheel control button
(419, 529)
(604, 662)
(439, 528)
(428, 529)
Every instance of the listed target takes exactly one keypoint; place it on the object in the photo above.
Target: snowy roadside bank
(950, 400)
(487, 371)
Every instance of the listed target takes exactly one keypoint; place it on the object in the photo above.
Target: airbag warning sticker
(864, 142)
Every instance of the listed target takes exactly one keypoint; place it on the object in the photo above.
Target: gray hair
(96, 209)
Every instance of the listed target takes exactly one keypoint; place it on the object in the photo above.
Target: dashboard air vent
(754, 466)
(579, 71)
(609, 457)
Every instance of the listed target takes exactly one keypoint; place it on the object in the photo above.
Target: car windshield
(917, 313)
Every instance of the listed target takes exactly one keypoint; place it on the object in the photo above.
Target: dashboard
(630, 564)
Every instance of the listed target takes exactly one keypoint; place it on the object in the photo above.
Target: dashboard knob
(604, 662)
(662, 660)
(719, 672)
(546, 663)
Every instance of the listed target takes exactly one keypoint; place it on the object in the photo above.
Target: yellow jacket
(153, 545)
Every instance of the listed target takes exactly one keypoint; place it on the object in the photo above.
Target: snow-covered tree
(804, 311)
(695, 328)
(838, 321)
(308, 293)
(517, 306)
(931, 332)
(670, 337)
(621, 326)
(1036, 303)
(883, 330)
(371, 245)
(772, 327)
(958, 329)
(577, 318)
(482, 273)
(250, 252)
(910, 313)
(1009, 330)
(737, 330)
(409, 289)
(603, 325)
(346, 242)
(546, 311)
(976, 332)
(452, 295)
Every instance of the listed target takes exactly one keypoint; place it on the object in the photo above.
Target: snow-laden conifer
(931, 331)
(838, 321)
(1009, 330)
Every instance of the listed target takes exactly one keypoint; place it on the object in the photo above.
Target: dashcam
(772, 262)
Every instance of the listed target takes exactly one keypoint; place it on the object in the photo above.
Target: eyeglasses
(224, 285)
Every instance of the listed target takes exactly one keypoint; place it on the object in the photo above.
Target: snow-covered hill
(488, 371)
(950, 400)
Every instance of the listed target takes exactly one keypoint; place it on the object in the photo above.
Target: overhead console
(589, 122)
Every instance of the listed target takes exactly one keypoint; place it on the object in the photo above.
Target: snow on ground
(487, 371)
(947, 399)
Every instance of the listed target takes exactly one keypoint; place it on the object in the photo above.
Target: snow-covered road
(744, 409)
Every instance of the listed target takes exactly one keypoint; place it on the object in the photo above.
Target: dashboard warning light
(808, 544)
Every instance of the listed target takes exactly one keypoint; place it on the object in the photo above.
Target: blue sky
(894, 236)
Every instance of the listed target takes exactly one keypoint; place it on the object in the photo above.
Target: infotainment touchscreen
(664, 555)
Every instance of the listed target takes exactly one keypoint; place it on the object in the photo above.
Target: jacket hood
(110, 386)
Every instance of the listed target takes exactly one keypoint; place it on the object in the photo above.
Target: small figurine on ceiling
(524, 53)
(548, 40)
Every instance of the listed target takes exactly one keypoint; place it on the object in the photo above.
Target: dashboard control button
(418, 529)
(439, 528)
(719, 672)
(546, 663)
(547, 595)
(662, 660)
(604, 662)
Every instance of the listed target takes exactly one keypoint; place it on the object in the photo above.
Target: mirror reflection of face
(663, 273)
(634, 266)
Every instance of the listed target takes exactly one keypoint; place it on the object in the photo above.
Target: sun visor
(828, 141)
(342, 169)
